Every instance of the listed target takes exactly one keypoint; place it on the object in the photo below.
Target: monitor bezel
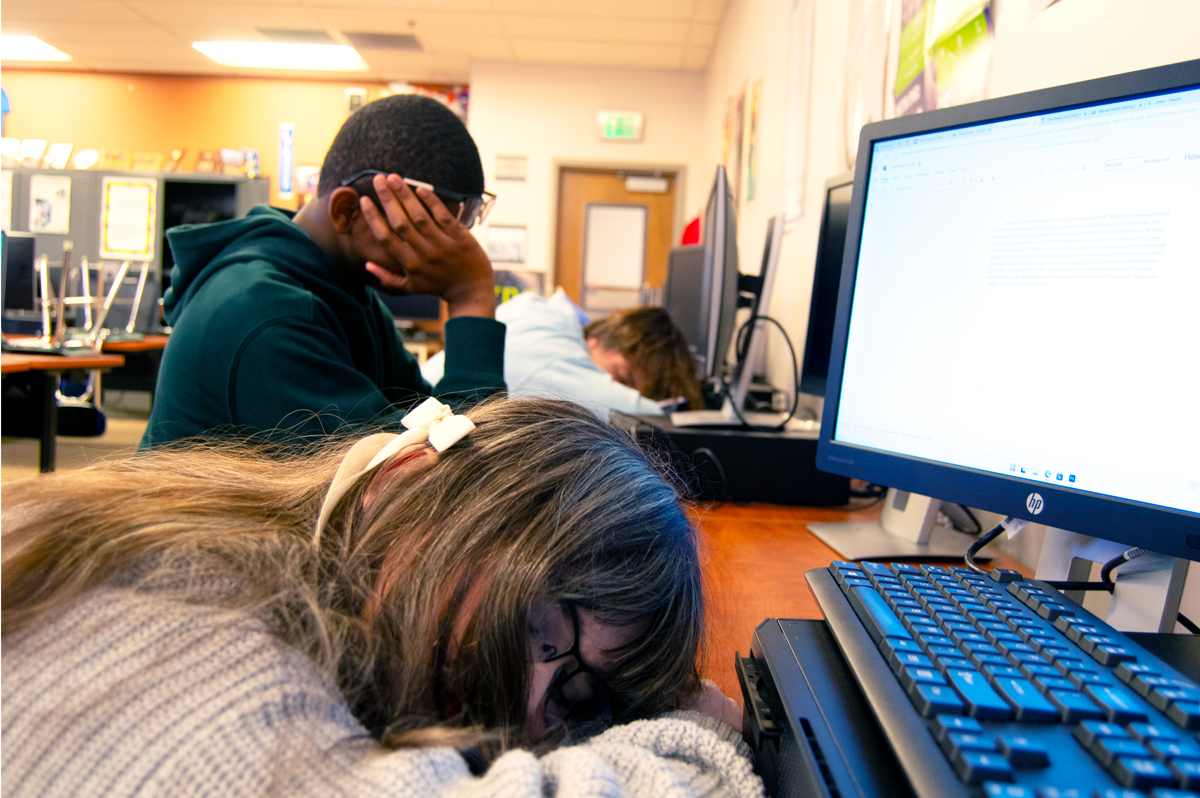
(1165, 530)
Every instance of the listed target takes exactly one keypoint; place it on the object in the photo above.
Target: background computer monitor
(1016, 328)
(827, 276)
(416, 307)
(756, 291)
(719, 277)
(681, 296)
(20, 292)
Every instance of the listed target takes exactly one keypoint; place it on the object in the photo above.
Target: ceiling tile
(128, 36)
(469, 48)
(18, 12)
(191, 18)
(596, 30)
(607, 53)
(418, 24)
(680, 10)
(447, 6)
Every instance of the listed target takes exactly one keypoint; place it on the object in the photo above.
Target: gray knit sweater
(128, 694)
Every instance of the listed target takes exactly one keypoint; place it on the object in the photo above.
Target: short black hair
(414, 136)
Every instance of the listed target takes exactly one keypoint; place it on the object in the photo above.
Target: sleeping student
(501, 603)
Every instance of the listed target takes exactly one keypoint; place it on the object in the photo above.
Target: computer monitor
(827, 275)
(754, 292)
(1017, 328)
(681, 296)
(416, 307)
(20, 287)
(718, 278)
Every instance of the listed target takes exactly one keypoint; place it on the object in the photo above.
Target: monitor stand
(905, 531)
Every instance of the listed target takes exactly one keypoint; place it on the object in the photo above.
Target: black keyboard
(995, 686)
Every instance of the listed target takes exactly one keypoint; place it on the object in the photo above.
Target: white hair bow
(429, 421)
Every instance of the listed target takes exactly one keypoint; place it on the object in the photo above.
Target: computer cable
(737, 411)
(1132, 554)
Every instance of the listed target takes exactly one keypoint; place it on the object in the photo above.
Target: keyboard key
(1060, 792)
(993, 789)
(975, 767)
(1027, 703)
(892, 644)
(957, 742)
(944, 724)
(1119, 705)
(1089, 731)
(1161, 698)
(1117, 792)
(1146, 732)
(1162, 750)
(1163, 792)
(879, 621)
(1107, 749)
(1074, 707)
(980, 699)
(1045, 683)
(1185, 714)
(907, 659)
(1022, 751)
(1187, 773)
(1141, 774)
(1112, 655)
(1127, 670)
(935, 699)
(910, 677)
(1143, 684)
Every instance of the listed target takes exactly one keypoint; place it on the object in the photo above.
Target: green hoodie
(270, 336)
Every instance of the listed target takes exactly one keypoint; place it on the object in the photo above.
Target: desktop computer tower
(742, 465)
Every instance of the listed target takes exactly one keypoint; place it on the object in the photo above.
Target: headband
(429, 421)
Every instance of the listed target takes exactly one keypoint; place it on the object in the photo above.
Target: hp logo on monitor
(1035, 503)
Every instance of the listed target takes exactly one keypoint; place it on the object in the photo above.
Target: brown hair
(542, 500)
(652, 344)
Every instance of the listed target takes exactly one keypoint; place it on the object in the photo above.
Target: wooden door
(591, 194)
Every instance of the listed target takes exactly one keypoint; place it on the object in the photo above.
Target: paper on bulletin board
(6, 200)
(799, 55)
(755, 141)
(866, 69)
(945, 54)
(127, 217)
(50, 204)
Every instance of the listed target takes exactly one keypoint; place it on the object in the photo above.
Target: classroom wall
(547, 112)
(157, 113)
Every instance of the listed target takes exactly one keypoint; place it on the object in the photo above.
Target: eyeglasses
(580, 690)
(467, 208)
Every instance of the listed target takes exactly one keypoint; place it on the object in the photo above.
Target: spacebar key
(875, 615)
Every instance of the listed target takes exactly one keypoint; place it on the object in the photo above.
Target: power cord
(737, 411)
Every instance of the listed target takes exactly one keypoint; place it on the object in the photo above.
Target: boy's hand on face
(426, 250)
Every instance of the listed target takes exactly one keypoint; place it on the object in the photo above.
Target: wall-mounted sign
(287, 158)
(127, 217)
(620, 125)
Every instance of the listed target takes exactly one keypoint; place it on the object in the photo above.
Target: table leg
(48, 385)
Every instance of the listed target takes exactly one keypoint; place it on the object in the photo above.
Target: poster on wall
(752, 158)
(735, 120)
(50, 204)
(127, 217)
(866, 68)
(795, 146)
(287, 159)
(506, 243)
(945, 54)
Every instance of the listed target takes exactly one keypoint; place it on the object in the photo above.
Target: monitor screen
(827, 274)
(681, 292)
(1017, 326)
(719, 278)
(751, 346)
(416, 307)
(19, 286)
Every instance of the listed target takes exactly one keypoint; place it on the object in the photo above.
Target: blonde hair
(650, 341)
(542, 500)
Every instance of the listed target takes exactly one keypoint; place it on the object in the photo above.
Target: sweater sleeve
(474, 365)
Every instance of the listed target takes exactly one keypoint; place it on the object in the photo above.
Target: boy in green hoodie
(277, 325)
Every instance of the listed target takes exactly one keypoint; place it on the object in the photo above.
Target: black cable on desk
(978, 545)
(737, 411)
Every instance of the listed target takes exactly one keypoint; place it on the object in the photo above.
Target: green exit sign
(619, 125)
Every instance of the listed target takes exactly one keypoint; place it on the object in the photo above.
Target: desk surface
(146, 343)
(754, 559)
(14, 362)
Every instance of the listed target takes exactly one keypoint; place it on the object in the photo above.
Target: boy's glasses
(579, 690)
(467, 208)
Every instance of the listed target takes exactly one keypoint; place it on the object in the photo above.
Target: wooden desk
(142, 357)
(754, 558)
(43, 372)
(147, 343)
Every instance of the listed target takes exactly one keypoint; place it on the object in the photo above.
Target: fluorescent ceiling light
(29, 48)
(284, 55)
